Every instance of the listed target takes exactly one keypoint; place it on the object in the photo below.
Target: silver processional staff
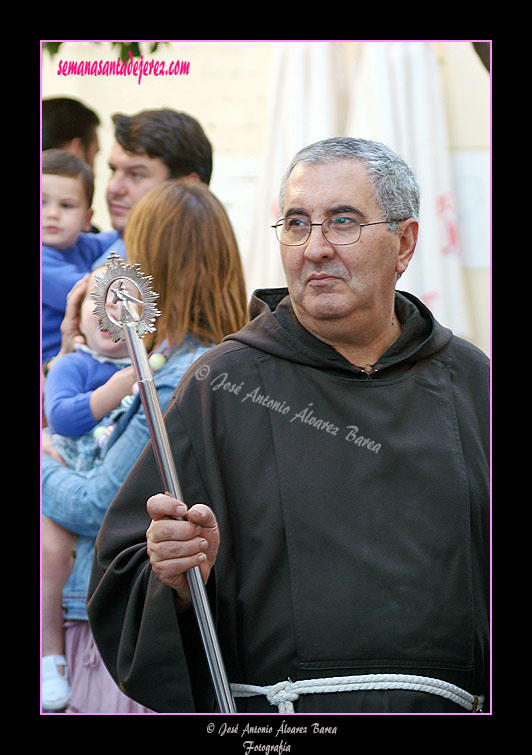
(138, 317)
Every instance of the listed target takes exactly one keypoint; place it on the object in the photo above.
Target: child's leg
(57, 563)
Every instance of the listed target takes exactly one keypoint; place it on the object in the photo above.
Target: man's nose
(317, 246)
(116, 184)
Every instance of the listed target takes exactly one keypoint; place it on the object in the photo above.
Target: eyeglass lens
(340, 229)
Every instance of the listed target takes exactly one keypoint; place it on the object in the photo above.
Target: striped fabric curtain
(395, 97)
(304, 107)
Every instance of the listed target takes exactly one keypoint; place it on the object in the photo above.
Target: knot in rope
(283, 695)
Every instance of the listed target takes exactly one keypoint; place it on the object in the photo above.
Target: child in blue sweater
(68, 253)
(84, 386)
(81, 390)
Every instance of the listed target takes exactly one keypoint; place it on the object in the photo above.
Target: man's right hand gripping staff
(177, 545)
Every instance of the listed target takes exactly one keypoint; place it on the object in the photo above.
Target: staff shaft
(165, 463)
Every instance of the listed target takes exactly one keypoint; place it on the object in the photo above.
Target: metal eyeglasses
(295, 230)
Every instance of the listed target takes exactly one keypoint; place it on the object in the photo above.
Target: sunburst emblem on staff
(117, 270)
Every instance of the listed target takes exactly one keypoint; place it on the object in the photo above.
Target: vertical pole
(165, 463)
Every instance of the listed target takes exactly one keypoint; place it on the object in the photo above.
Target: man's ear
(191, 178)
(408, 240)
(75, 147)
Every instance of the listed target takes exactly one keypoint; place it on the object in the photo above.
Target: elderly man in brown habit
(333, 456)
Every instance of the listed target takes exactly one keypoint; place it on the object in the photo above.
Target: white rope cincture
(284, 694)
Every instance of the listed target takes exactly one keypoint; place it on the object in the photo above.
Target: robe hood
(275, 329)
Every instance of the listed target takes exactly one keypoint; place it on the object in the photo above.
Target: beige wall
(227, 90)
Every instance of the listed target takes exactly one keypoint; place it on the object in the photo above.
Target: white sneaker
(55, 686)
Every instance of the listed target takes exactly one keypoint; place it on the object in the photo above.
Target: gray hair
(395, 186)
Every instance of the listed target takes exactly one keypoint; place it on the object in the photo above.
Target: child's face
(96, 339)
(65, 211)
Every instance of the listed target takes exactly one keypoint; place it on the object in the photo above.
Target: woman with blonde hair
(181, 236)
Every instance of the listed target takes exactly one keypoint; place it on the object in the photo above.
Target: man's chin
(119, 217)
(324, 306)
(119, 225)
